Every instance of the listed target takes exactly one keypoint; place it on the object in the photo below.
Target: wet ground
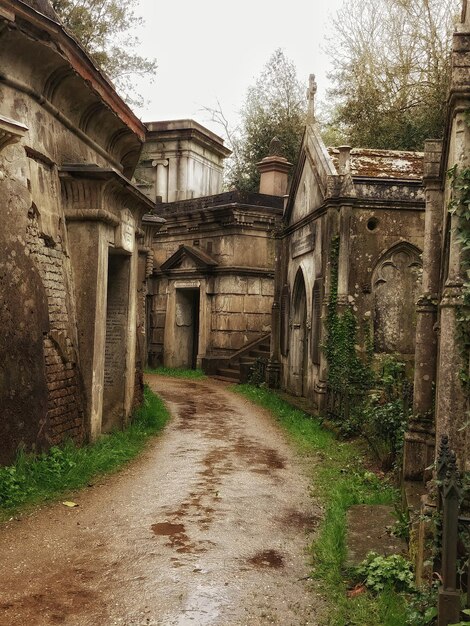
(209, 527)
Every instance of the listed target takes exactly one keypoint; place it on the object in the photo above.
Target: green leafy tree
(275, 106)
(391, 71)
(105, 29)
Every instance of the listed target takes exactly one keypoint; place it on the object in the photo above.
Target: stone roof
(374, 163)
(44, 7)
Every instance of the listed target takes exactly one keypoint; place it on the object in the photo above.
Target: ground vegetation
(38, 478)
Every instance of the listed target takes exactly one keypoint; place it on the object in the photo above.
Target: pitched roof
(44, 7)
(374, 163)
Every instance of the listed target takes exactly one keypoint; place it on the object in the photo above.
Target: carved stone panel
(395, 286)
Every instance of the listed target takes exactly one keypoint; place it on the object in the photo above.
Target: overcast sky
(209, 50)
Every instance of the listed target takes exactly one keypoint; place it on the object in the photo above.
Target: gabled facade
(355, 217)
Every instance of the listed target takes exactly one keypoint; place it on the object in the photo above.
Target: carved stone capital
(427, 303)
(452, 296)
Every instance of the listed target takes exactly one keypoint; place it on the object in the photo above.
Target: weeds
(177, 372)
(42, 477)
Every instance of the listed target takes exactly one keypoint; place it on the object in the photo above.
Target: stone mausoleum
(70, 240)
(359, 214)
(211, 290)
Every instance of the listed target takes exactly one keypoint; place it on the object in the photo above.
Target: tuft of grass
(176, 372)
(339, 481)
(38, 478)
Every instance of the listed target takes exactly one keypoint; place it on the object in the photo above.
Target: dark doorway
(117, 310)
(298, 350)
(187, 327)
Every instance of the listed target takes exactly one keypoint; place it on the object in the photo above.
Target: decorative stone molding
(11, 131)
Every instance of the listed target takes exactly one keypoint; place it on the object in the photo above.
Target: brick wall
(65, 416)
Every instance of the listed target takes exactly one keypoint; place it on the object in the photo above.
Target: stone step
(368, 530)
(229, 373)
(224, 378)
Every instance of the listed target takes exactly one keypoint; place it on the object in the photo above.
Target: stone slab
(367, 532)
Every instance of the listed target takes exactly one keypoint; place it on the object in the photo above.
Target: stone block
(254, 286)
(267, 287)
(367, 532)
(255, 304)
(235, 321)
(233, 284)
(228, 304)
(258, 322)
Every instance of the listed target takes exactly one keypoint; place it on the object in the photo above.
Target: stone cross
(311, 91)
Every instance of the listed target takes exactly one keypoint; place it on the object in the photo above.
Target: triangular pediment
(312, 179)
(189, 258)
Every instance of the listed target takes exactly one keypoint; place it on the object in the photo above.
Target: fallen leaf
(358, 589)
(70, 504)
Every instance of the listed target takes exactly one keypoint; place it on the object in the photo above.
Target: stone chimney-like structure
(274, 171)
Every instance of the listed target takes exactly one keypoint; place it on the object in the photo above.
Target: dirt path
(209, 527)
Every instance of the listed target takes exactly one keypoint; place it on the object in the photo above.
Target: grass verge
(38, 478)
(176, 372)
(339, 480)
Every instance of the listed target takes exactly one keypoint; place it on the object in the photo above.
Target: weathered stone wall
(240, 312)
(357, 199)
(56, 109)
(65, 405)
(225, 250)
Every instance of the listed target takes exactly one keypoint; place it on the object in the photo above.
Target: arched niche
(396, 282)
(298, 335)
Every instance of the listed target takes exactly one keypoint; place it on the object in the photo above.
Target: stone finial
(275, 147)
(311, 91)
(344, 160)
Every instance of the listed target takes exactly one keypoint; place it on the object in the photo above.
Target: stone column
(343, 257)
(161, 182)
(452, 405)
(273, 371)
(419, 440)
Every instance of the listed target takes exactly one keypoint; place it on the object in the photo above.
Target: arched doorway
(298, 343)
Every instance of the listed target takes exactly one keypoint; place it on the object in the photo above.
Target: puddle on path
(202, 607)
(267, 559)
(166, 528)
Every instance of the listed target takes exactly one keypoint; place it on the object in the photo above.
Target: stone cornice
(41, 60)
(89, 191)
(79, 60)
(11, 131)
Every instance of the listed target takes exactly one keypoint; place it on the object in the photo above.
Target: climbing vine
(459, 206)
(379, 415)
(348, 376)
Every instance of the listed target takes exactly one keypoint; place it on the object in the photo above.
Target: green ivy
(348, 375)
(459, 206)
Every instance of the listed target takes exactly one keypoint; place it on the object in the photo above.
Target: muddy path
(209, 527)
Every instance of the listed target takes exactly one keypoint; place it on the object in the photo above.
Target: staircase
(237, 368)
